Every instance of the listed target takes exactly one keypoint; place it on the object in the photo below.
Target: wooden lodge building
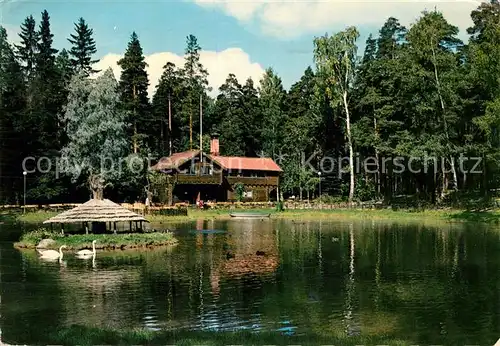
(194, 175)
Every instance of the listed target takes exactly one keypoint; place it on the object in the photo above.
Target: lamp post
(24, 207)
(319, 176)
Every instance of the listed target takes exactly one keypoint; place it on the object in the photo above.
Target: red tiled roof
(226, 162)
(247, 163)
(175, 160)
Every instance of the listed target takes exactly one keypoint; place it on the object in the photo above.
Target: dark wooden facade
(190, 177)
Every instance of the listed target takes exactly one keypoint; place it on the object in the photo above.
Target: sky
(242, 37)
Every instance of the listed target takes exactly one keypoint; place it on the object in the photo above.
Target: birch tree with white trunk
(335, 57)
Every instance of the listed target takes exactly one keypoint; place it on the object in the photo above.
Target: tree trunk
(97, 194)
(135, 123)
(444, 183)
(162, 138)
(377, 175)
(485, 177)
(349, 143)
(445, 124)
(96, 184)
(169, 126)
(191, 124)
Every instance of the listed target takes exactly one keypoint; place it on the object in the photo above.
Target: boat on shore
(207, 231)
(249, 215)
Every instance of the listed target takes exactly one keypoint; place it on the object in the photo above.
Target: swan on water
(86, 252)
(52, 254)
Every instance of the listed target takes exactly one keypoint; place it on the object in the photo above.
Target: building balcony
(210, 179)
(256, 181)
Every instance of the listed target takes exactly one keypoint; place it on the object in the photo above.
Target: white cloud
(291, 18)
(12, 33)
(218, 64)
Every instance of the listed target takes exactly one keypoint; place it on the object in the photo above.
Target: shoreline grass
(95, 335)
(83, 335)
(118, 241)
(449, 215)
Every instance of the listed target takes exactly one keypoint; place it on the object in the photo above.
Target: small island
(118, 241)
(98, 213)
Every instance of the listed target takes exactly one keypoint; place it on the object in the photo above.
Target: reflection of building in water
(251, 252)
(199, 224)
(250, 264)
(245, 239)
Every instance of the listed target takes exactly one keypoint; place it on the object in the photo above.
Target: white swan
(86, 253)
(52, 254)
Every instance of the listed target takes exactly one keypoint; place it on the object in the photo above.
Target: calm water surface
(418, 283)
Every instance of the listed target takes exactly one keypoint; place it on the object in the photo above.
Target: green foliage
(239, 188)
(365, 190)
(167, 100)
(134, 93)
(336, 58)
(195, 89)
(326, 199)
(82, 49)
(12, 106)
(280, 206)
(415, 91)
(28, 48)
(46, 53)
(34, 237)
(272, 104)
(103, 241)
(96, 131)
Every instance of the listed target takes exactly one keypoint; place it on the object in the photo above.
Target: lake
(432, 284)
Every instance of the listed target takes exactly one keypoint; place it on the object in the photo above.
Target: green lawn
(488, 216)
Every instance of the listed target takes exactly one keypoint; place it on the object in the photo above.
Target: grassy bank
(447, 215)
(455, 215)
(103, 241)
(79, 335)
(490, 216)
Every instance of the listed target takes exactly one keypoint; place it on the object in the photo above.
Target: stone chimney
(214, 145)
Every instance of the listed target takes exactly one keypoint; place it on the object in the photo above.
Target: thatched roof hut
(97, 210)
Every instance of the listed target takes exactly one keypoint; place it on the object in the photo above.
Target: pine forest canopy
(414, 93)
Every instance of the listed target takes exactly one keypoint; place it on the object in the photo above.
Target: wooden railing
(199, 179)
(266, 181)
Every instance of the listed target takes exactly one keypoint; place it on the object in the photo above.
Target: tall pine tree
(134, 93)
(12, 107)
(49, 87)
(272, 103)
(28, 48)
(46, 53)
(167, 102)
(83, 47)
(196, 86)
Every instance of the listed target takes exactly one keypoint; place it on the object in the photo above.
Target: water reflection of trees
(31, 298)
(424, 284)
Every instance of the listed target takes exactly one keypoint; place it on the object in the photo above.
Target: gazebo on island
(100, 213)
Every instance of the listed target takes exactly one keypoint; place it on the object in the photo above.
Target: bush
(280, 206)
(327, 199)
(34, 237)
(239, 188)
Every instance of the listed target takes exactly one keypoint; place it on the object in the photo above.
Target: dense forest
(416, 114)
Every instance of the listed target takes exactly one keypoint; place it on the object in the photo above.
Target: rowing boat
(248, 215)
